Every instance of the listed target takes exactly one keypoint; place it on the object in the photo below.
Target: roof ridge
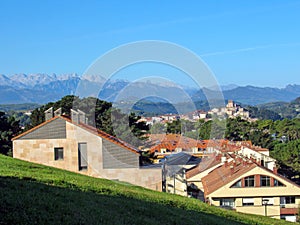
(87, 127)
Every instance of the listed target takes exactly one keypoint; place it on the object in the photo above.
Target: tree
(218, 129)
(9, 127)
(288, 154)
(204, 130)
(66, 103)
(187, 126)
(237, 129)
(158, 128)
(174, 127)
(101, 115)
(128, 128)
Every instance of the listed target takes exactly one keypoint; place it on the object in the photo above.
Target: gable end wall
(55, 129)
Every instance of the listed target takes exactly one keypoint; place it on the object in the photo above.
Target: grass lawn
(36, 194)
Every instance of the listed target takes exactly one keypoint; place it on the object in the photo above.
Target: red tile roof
(173, 141)
(225, 174)
(205, 164)
(231, 171)
(89, 128)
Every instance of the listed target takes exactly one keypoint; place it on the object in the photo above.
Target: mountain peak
(32, 79)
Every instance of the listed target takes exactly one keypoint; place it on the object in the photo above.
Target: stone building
(71, 144)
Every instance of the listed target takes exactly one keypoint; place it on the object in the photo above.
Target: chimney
(231, 170)
(275, 170)
(258, 161)
(223, 159)
(82, 116)
(57, 112)
(74, 116)
(49, 114)
(226, 163)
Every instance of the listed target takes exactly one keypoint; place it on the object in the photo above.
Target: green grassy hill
(36, 194)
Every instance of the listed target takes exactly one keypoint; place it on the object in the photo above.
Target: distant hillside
(152, 108)
(18, 107)
(35, 194)
(251, 95)
(284, 109)
(256, 95)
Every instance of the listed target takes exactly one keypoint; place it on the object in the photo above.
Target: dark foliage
(9, 127)
(100, 114)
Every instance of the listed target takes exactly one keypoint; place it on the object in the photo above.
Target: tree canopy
(9, 127)
(100, 114)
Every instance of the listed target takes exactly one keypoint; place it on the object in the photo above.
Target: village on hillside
(231, 110)
(235, 175)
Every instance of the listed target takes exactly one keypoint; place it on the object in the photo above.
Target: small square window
(58, 153)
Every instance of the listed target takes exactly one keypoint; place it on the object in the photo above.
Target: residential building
(71, 144)
(173, 170)
(234, 110)
(242, 177)
(247, 187)
(261, 155)
(245, 149)
(231, 110)
(195, 174)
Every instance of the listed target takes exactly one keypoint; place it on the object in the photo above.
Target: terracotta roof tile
(173, 141)
(225, 174)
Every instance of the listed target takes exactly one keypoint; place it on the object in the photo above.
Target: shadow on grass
(25, 201)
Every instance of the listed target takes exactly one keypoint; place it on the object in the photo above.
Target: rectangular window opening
(287, 200)
(227, 202)
(58, 153)
(82, 156)
(265, 181)
(249, 181)
(248, 201)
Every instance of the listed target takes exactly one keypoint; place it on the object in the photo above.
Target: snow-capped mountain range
(42, 88)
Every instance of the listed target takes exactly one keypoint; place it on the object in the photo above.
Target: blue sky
(242, 42)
